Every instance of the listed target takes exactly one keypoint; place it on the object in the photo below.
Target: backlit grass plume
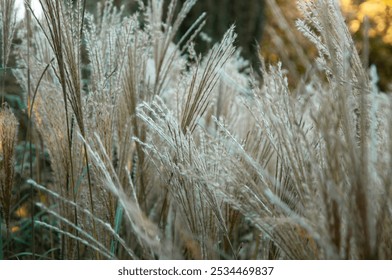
(158, 152)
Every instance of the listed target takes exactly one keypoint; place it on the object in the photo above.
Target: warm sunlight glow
(378, 11)
(22, 212)
(388, 2)
(15, 229)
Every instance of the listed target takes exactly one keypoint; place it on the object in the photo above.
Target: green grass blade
(117, 226)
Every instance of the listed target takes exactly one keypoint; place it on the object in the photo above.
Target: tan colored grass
(195, 159)
(8, 141)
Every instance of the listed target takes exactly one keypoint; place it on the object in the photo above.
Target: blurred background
(368, 20)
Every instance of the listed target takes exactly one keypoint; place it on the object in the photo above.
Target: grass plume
(158, 152)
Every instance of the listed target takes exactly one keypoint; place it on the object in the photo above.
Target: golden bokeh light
(379, 12)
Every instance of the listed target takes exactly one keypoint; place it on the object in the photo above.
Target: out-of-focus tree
(379, 12)
(248, 17)
(370, 22)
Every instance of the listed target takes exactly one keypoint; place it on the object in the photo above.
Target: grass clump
(159, 153)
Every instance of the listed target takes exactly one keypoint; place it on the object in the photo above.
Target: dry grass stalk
(7, 31)
(8, 25)
(8, 138)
